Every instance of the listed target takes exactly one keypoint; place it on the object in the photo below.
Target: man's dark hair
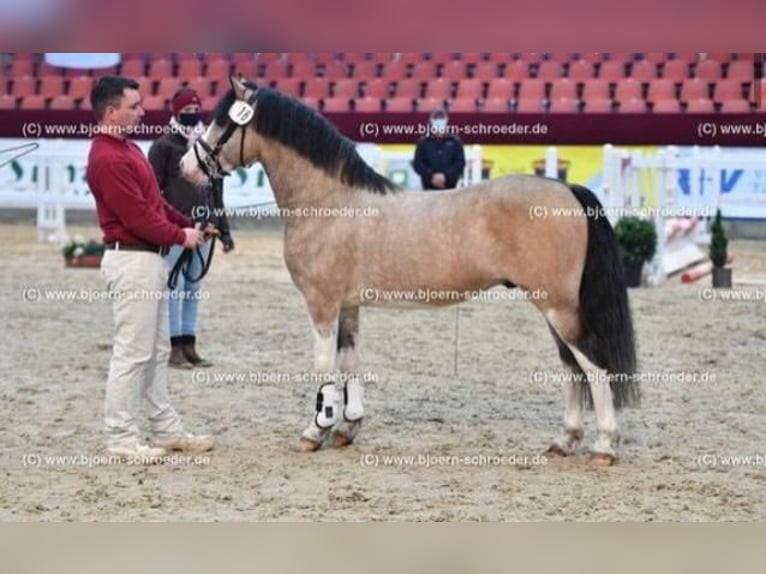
(107, 91)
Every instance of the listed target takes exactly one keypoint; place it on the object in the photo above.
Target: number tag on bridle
(241, 113)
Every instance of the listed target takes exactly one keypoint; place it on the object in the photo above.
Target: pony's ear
(238, 85)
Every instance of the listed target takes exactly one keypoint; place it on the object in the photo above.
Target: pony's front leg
(327, 411)
(350, 422)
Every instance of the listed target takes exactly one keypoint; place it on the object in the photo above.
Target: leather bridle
(240, 114)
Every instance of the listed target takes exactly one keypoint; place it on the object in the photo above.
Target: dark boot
(177, 358)
(190, 352)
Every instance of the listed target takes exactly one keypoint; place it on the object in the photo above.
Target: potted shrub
(81, 253)
(637, 240)
(719, 254)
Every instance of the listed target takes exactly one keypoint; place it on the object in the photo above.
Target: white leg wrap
(354, 410)
(327, 406)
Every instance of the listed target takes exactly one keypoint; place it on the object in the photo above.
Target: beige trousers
(136, 281)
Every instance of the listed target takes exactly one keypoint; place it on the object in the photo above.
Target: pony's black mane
(300, 128)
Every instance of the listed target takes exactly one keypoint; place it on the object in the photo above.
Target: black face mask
(189, 119)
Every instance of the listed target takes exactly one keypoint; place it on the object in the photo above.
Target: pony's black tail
(606, 327)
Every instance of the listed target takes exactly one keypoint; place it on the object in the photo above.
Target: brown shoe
(190, 352)
(177, 358)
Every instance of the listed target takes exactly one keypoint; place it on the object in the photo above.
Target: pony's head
(228, 143)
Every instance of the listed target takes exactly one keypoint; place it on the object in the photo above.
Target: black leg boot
(190, 352)
(177, 358)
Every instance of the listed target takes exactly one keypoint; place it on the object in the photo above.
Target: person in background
(164, 155)
(439, 156)
(137, 223)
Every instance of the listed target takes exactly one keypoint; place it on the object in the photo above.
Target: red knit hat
(183, 98)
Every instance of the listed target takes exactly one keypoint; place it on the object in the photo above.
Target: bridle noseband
(240, 114)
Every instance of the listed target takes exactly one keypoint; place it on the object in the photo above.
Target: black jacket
(165, 155)
(439, 155)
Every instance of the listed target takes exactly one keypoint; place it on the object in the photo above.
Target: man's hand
(228, 243)
(438, 180)
(193, 238)
(211, 230)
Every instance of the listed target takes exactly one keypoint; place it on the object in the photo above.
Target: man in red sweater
(137, 224)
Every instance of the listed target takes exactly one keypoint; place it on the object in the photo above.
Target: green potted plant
(637, 241)
(81, 253)
(719, 254)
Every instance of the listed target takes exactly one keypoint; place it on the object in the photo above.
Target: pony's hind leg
(350, 420)
(327, 396)
(566, 444)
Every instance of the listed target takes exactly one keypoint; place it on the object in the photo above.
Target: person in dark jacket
(439, 157)
(191, 200)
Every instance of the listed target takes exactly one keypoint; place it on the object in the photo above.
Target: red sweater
(128, 201)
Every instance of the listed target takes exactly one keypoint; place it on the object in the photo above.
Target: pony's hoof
(341, 439)
(556, 450)
(600, 459)
(308, 445)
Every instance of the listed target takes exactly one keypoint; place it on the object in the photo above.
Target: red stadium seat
(399, 104)
(632, 106)
(376, 88)
(332, 105)
(656, 57)
(23, 64)
(145, 86)
(33, 102)
(23, 86)
(501, 57)
(454, 71)
(619, 57)
(728, 90)
(424, 71)
(200, 85)
(303, 70)
(310, 102)
(529, 106)
(742, 70)
(708, 71)
(693, 88)
(79, 87)
(516, 71)
(346, 87)
(189, 68)
(700, 106)
(166, 87)
(628, 89)
(593, 57)
(500, 88)
(438, 88)
(322, 58)
(666, 107)
(532, 89)
(473, 57)
(161, 68)
(263, 58)
(612, 71)
(470, 88)
(275, 70)
(368, 104)
(463, 105)
(550, 70)
(643, 71)
(428, 104)
(485, 71)
(720, 57)
(564, 106)
(408, 87)
(51, 86)
(133, 68)
(496, 105)
(62, 102)
(318, 88)
(336, 70)
(595, 89)
(563, 88)
(219, 70)
(155, 103)
(676, 70)
(598, 106)
(394, 71)
(735, 107)
(580, 70)
(209, 104)
(7, 102)
(661, 89)
(364, 70)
